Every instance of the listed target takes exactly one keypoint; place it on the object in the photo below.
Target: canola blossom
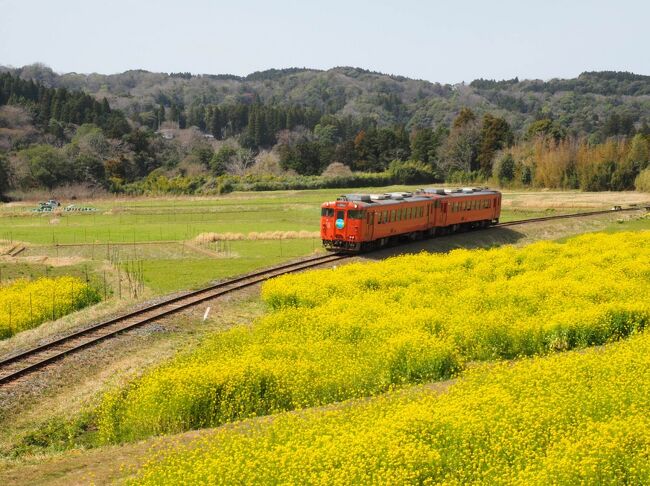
(25, 304)
(568, 418)
(363, 329)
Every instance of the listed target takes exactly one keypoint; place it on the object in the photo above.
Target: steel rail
(564, 216)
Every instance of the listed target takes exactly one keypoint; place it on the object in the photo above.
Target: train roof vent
(358, 197)
(342, 198)
(398, 195)
(378, 197)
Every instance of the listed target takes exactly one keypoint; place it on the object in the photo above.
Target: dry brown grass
(571, 199)
(254, 235)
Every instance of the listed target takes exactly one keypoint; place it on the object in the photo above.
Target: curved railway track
(26, 362)
(16, 366)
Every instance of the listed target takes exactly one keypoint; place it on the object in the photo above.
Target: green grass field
(123, 229)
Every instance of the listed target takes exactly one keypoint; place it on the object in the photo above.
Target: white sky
(446, 41)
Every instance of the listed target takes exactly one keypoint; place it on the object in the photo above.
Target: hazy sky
(446, 41)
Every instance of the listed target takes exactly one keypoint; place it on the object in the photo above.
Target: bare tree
(240, 162)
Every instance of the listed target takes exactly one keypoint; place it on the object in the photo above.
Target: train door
(370, 225)
(443, 214)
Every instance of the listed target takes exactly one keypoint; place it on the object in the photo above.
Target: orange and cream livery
(358, 222)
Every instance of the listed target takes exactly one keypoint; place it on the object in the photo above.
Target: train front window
(340, 214)
(327, 212)
(355, 214)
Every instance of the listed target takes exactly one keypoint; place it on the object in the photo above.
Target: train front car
(343, 223)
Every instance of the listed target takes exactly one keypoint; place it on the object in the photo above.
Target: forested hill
(584, 105)
(141, 132)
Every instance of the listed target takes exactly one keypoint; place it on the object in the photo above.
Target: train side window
(385, 217)
(392, 216)
(400, 211)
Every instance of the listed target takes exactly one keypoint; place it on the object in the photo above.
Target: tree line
(97, 145)
(55, 107)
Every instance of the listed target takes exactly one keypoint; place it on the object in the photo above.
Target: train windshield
(327, 212)
(355, 214)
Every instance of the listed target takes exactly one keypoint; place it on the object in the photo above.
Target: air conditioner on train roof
(398, 195)
(358, 197)
(432, 190)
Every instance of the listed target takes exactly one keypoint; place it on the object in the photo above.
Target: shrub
(642, 182)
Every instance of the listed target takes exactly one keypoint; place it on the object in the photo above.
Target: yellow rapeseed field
(570, 418)
(363, 329)
(25, 304)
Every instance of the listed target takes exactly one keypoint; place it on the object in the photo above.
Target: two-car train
(359, 222)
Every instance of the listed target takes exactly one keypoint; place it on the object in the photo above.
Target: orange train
(359, 222)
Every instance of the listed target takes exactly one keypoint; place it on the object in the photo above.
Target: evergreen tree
(495, 135)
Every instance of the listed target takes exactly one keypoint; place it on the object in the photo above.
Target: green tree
(495, 135)
(545, 128)
(47, 166)
(5, 184)
(221, 159)
(505, 169)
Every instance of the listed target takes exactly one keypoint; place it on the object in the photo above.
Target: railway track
(19, 365)
(571, 215)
